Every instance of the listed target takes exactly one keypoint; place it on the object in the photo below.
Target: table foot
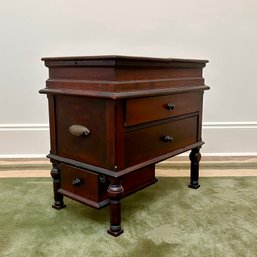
(115, 230)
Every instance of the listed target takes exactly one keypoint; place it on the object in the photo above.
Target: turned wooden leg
(115, 192)
(58, 198)
(195, 158)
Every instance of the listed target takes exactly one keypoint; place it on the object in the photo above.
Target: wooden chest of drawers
(112, 118)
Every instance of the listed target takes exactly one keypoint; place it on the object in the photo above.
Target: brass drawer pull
(79, 130)
(170, 106)
(167, 139)
(76, 182)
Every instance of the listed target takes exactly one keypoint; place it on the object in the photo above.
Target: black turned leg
(195, 158)
(115, 192)
(58, 198)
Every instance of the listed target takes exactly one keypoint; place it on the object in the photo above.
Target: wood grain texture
(147, 143)
(141, 110)
(114, 117)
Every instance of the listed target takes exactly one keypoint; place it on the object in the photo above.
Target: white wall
(222, 31)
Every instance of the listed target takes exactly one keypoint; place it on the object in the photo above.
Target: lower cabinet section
(138, 179)
(91, 188)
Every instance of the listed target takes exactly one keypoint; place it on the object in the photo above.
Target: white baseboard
(24, 140)
(230, 138)
(221, 139)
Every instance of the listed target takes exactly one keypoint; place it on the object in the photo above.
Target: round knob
(170, 106)
(167, 139)
(76, 182)
(102, 179)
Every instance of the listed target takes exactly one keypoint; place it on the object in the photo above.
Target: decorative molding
(230, 138)
(27, 127)
(24, 140)
(23, 156)
(230, 125)
(206, 125)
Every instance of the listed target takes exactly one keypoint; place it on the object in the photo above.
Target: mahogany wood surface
(87, 112)
(141, 110)
(87, 185)
(182, 132)
(113, 117)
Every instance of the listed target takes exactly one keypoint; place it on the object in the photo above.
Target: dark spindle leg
(115, 192)
(195, 158)
(58, 198)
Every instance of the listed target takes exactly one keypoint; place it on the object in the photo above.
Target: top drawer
(142, 110)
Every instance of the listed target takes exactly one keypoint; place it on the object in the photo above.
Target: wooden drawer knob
(170, 106)
(76, 182)
(167, 139)
(79, 130)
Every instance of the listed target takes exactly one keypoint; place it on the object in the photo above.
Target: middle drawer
(147, 143)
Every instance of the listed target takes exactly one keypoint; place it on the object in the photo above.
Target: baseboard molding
(230, 138)
(221, 138)
(24, 140)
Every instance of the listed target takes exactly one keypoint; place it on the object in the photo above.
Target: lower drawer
(147, 143)
(84, 186)
(91, 188)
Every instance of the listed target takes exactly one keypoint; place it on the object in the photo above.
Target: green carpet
(166, 219)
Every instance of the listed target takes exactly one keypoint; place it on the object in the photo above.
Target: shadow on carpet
(166, 219)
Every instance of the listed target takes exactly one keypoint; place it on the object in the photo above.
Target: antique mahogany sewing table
(112, 118)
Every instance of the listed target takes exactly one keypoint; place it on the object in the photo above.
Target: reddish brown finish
(122, 73)
(89, 187)
(73, 73)
(122, 61)
(138, 111)
(119, 87)
(183, 132)
(141, 110)
(90, 113)
(138, 179)
(115, 193)
(51, 107)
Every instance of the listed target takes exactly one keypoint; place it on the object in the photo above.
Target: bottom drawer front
(82, 183)
(147, 143)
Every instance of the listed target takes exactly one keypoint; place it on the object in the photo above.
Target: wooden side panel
(110, 133)
(119, 135)
(52, 114)
(87, 112)
(138, 179)
(200, 117)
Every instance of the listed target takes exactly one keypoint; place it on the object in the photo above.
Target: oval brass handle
(170, 106)
(79, 130)
(167, 139)
(76, 182)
